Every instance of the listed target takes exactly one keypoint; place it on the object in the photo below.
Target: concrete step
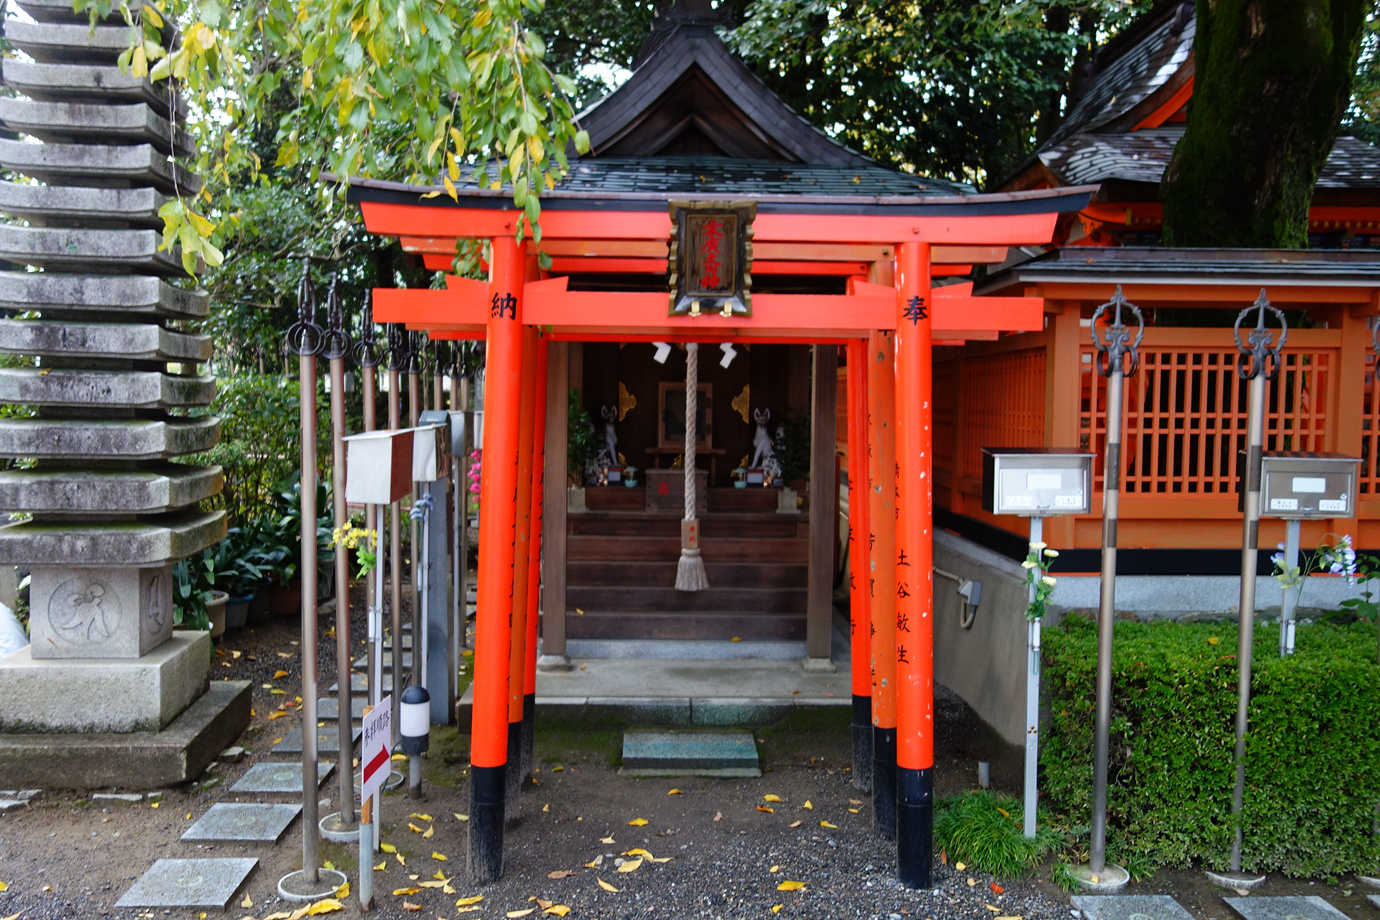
(700, 624)
(667, 549)
(642, 596)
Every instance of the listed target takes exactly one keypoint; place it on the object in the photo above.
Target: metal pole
(337, 346)
(1113, 345)
(414, 416)
(367, 354)
(1032, 697)
(1257, 362)
(1291, 595)
(398, 358)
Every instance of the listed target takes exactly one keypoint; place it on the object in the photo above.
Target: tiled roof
(1141, 156)
(1133, 75)
(700, 176)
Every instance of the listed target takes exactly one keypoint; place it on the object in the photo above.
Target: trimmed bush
(1312, 752)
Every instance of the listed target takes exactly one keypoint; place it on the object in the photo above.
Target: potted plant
(197, 603)
(240, 571)
(579, 445)
(282, 548)
(791, 450)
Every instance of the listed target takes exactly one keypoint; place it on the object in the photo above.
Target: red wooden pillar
(881, 582)
(529, 677)
(914, 569)
(522, 510)
(859, 611)
(494, 607)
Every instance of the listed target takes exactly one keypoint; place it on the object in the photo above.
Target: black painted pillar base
(884, 782)
(915, 827)
(486, 823)
(862, 743)
(529, 731)
(512, 805)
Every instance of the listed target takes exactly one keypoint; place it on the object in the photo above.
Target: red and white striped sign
(375, 756)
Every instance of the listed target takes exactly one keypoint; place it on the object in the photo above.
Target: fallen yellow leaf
(154, 804)
(828, 825)
(460, 817)
(413, 828)
(796, 823)
(959, 866)
(401, 860)
(447, 889)
(398, 892)
(608, 839)
(674, 792)
(466, 902)
(808, 806)
(276, 692)
(660, 859)
(421, 817)
(546, 807)
(382, 867)
(324, 906)
(606, 886)
(631, 865)
(771, 798)
(560, 910)
(432, 884)
(413, 908)
(855, 801)
(560, 873)
(248, 901)
(343, 891)
(776, 908)
(441, 875)
(972, 882)
(638, 822)
(770, 811)
(774, 869)
(519, 913)
(279, 673)
(637, 852)
(557, 768)
(790, 886)
(430, 829)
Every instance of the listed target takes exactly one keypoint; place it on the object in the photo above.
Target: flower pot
(285, 600)
(740, 483)
(215, 609)
(237, 612)
(630, 483)
(575, 499)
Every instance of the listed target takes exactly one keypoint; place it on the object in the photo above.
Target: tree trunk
(1272, 79)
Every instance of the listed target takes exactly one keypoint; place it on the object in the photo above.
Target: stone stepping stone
(1125, 907)
(359, 683)
(1311, 907)
(387, 659)
(327, 740)
(690, 754)
(228, 822)
(329, 708)
(279, 778)
(1374, 900)
(188, 883)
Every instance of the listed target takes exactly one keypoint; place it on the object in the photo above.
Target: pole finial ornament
(336, 343)
(1260, 352)
(367, 351)
(1113, 341)
(305, 337)
(398, 356)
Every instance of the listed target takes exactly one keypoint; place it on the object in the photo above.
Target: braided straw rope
(690, 574)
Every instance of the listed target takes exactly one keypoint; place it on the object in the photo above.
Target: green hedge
(1313, 750)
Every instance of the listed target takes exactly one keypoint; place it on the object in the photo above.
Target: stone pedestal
(666, 491)
(100, 695)
(99, 612)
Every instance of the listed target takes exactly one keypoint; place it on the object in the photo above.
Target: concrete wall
(984, 664)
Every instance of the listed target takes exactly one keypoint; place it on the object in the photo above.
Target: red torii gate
(889, 249)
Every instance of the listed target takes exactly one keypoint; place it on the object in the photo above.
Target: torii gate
(889, 249)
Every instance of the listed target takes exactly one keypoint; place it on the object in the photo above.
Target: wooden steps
(622, 561)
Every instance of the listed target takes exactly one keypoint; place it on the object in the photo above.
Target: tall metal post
(1032, 698)
(416, 353)
(1117, 358)
(1257, 362)
(306, 339)
(399, 357)
(368, 355)
(340, 826)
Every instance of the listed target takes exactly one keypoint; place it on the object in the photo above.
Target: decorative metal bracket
(398, 357)
(417, 356)
(336, 343)
(1114, 342)
(367, 351)
(1261, 352)
(305, 337)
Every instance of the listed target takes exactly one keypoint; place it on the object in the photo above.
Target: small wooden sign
(711, 258)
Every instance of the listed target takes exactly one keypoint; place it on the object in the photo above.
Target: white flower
(1027, 564)
(1051, 553)
(1038, 545)
(1049, 580)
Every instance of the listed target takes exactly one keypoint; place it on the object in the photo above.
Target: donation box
(1036, 481)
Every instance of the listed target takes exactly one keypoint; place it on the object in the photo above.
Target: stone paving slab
(359, 683)
(329, 708)
(363, 662)
(1126, 907)
(188, 883)
(279, 777)
(1311, 907)
(327, 740)
(230, 822)
(670, 753)
(1374, 900)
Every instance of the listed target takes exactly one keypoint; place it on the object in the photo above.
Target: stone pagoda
(96, 348)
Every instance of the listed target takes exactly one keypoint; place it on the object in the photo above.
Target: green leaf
(582, 141)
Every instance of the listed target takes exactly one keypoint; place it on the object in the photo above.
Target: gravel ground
(66, 856)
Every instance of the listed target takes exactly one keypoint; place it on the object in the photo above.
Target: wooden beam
(819, 604)
(554, 535)
(464, 305)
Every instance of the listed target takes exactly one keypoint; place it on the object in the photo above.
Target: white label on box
(1035, 481)
(1313, 485)
(1332, 504)
(1020, 501)
(1284, 504)
(1069, 501)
